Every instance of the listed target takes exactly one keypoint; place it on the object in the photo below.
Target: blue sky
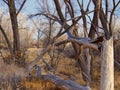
(30, 6)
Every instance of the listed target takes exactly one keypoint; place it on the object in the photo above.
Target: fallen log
(52, 82)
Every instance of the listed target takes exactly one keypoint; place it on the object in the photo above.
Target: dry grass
(13, 77)
(37, 84)
(67, 70)
(10, 76)
(31, 53)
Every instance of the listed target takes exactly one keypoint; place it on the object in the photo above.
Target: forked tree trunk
(107, 68)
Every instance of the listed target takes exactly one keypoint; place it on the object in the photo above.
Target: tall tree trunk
(14, 22)
(107, 68)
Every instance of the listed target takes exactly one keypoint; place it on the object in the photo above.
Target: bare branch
(55, 18)
(40, 56)
(58, 8)
(113, 3)
(107, 8)
(7, 40)
(69, 27)
(84, 19)
(111, 16)
(50, 16)
(81, 41)
(6, 2)
(82, 3)
(21, 7)
(88, 5)
(49, 66)
(69, 9)
(72, 10)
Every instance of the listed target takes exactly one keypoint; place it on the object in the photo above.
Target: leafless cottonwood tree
(13, 16)
(101, 20)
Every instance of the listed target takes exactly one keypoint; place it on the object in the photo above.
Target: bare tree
(13, 16)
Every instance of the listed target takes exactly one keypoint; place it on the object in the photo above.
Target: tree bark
(13, 16)
(107, 68)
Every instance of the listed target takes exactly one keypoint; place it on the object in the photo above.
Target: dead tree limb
(40, 56)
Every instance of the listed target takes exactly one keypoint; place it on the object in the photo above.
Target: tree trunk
(14, 22)
(107, 68)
